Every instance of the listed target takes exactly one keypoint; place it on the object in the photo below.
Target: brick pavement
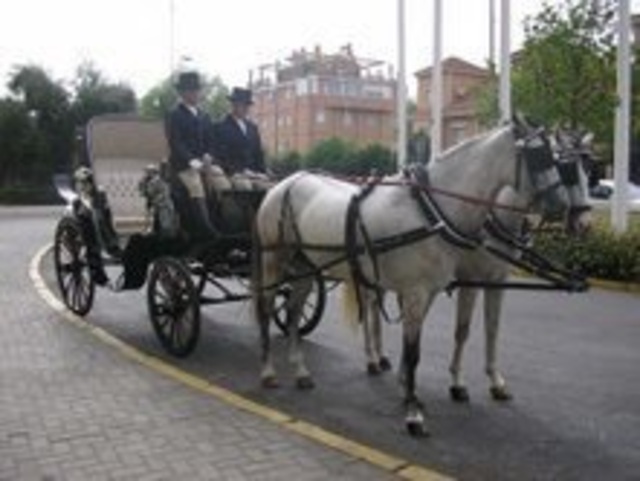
(72, 408)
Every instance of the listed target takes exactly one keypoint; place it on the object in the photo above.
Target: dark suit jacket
(236, 151)
(189, 136)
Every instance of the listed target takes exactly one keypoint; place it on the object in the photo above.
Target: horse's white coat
(315, 214)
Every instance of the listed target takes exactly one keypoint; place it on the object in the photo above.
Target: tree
(94, 95)
(565, 73)
(22, 146)
(333, 155)
(286, 164)
(158, 100)
(48, 108)
(487, 108)
(162, 97)
(373, 158)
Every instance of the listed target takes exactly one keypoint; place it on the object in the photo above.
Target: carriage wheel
(70, 254)
(199, 276)
(311, 312)
(174, 306)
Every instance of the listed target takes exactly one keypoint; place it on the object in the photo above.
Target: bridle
(534, 153)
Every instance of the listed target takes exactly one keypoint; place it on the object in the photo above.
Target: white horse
(302, 227)
(480, 266)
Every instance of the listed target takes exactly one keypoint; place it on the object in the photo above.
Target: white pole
(492, 36)
(436, 82)
(619, 207)
(401, 95)
(172, 37)
(505, 61)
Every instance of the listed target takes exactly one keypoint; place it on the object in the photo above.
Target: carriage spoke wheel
(311, 311)
(174, 306)
(70, 254)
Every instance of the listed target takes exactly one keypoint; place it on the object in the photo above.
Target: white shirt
(242, 124)
(191, 108)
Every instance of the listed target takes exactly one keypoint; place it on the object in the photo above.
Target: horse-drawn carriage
(415, 235)
(123, 210)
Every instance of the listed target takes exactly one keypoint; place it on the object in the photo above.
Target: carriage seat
(119, 148)
(119, 179)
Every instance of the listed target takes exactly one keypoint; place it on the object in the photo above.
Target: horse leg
(377, 362)
(299, 294)
(466, 301)
(493, 307)
(383, 361)
(414, 307)
(264, 275)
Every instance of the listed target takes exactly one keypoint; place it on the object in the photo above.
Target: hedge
(600, 253)
(29, 195)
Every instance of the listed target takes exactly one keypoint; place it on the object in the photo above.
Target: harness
(360, 246)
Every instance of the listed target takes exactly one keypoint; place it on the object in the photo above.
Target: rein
(558, 278)
(359, 180)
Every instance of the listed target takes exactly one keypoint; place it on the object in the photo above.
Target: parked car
(601, 195)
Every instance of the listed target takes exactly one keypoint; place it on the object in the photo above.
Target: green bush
(42, 194)
(285, 164)
(601, 253)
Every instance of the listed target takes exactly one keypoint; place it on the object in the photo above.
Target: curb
(617, 286)
(389, 463)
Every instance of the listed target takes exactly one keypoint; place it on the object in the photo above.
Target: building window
(347, 118)
(313, 85)
(320, 117)
(458, 132)
(302, 87)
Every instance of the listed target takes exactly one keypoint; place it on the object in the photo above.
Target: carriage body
(123, 215)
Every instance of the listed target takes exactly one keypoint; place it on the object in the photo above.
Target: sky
(131, 40)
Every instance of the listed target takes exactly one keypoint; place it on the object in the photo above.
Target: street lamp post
(436, 82)
(619, 207)
(172, 36)
(401, 90)
(505, 61)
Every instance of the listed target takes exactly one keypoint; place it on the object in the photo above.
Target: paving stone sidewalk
(72, 408)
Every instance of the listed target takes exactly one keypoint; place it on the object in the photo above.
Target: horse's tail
(351, 304)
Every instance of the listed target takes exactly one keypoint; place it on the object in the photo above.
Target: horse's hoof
(373, 369)
(417, 429)
(385, 364)
(304, 383)
(501, 393)
(270, 382)
(459, 394)
(415, 419)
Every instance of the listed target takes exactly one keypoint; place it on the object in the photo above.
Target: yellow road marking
(392, 464)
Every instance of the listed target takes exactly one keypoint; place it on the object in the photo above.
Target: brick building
(312, 96)
(461, 82)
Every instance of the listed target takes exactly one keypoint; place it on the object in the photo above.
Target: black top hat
(240, 95)
(188, 81)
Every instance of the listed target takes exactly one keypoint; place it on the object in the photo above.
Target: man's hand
(195, 164)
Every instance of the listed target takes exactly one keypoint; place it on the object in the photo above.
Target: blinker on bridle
(536, 154)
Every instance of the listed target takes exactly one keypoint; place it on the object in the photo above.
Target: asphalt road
(572, 362)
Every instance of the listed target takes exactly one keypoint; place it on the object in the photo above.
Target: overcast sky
(130, 40)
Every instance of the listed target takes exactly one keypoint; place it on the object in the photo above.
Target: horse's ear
(520, 125)
(587, 139)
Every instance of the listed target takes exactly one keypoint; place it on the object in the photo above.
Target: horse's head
(575, 158)
(538, 176)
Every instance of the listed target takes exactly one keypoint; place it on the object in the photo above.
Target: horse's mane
(463, 148)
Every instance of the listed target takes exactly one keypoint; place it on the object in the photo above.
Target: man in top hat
(188, 131)
(236, 140)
